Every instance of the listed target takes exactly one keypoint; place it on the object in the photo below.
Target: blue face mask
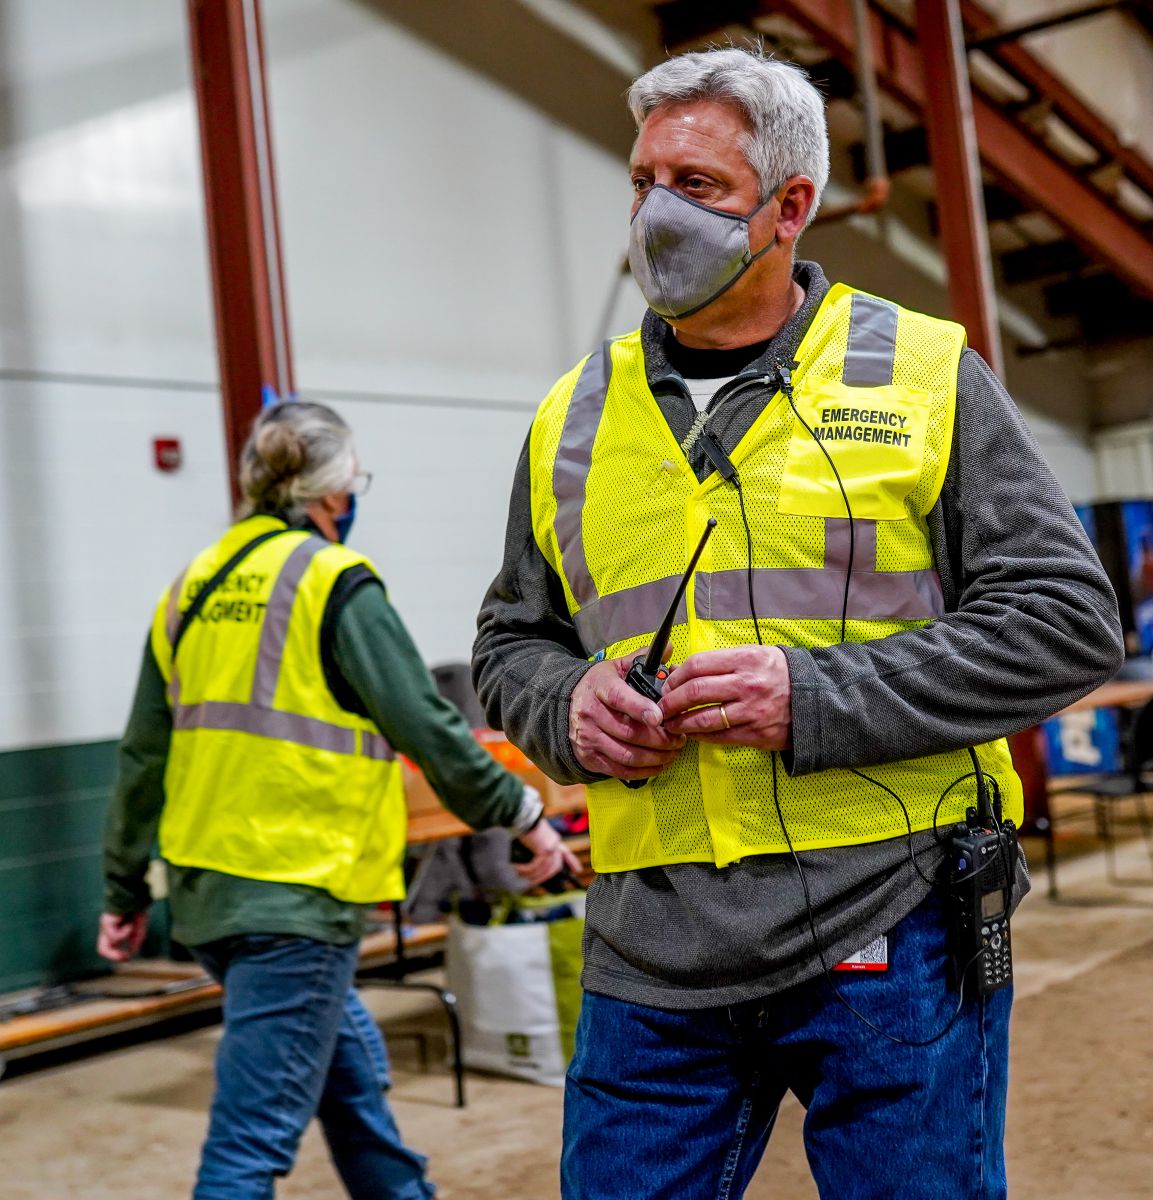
(344, 522)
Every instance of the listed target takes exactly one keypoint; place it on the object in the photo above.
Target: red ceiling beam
(1036, 176)
(1066, 103)
(248, 292)
(953, 150)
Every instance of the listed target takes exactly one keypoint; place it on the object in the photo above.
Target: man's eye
(640, 185)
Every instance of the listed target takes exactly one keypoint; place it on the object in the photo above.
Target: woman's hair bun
(298, 452)
(280, 450)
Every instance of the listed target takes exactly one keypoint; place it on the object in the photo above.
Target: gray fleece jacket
(1031, 625)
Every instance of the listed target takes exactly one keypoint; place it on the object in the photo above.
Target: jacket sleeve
(1031, 621)
(377, 659)
(527, 657)
(138, 797)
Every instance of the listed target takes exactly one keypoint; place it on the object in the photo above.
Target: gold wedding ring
(724, 717)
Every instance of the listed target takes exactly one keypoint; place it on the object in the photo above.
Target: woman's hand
(121, 935)
(549, 854)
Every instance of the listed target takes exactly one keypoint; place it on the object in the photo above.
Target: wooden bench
(141, 993)
(152, 990)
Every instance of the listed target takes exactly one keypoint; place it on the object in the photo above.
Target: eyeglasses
(360, 484)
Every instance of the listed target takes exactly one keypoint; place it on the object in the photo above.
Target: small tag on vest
(874, 957)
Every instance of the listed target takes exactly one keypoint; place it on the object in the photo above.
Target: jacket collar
(655, 332)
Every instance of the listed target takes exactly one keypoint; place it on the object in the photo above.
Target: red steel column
(252, 333)
(948, 117)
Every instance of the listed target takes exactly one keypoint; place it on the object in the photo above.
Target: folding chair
(1106, 790)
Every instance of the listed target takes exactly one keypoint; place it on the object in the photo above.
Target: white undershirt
(703, 390)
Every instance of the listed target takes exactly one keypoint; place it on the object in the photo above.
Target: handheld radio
(981, 864)
(648, 674)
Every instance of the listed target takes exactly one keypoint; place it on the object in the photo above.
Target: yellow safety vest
(617, 511)
(268, 777)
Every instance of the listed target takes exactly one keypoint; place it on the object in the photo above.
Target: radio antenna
(660, 639)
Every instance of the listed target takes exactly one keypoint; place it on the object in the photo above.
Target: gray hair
(788, 134)
(298, 451)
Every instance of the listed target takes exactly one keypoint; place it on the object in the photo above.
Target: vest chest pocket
(875, 437)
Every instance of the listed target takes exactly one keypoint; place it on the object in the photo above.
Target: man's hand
(549, 854)
(750, 682)
(121, 935)
(616, 731)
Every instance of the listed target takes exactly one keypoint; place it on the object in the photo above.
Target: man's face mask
(683, 255)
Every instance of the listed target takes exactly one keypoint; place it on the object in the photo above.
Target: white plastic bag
(518, 992)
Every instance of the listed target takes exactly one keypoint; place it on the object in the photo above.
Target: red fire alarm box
(167, 454)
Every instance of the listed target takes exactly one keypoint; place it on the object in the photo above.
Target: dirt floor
(126, 1123)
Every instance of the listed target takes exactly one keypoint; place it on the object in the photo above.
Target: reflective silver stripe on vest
(258, 717)
(837, 540)
(281, 726)
(618, 616)
(859, 537)
(571, 470)
(786, 593)
(817, 593)
(872, 342)
(375, 745)
(274, 629)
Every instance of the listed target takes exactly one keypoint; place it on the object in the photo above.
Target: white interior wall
(1067, 452)
(441, 236)
(91, 535)
(448, 252)
(1055, 395)
(104, 320)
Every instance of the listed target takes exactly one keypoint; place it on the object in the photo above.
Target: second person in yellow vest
(278, 689)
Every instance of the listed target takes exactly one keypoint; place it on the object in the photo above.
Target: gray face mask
(683, 255)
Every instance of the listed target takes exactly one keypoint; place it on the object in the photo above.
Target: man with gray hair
(895, 583)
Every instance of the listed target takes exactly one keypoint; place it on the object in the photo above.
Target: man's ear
(796, 197)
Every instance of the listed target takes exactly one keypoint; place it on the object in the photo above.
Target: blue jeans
(298, 1043)
(685, 1101)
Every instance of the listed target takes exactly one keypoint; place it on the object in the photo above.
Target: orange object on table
(430, 821)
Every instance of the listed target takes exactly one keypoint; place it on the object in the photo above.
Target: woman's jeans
(298, 1043)
(664, 1105)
